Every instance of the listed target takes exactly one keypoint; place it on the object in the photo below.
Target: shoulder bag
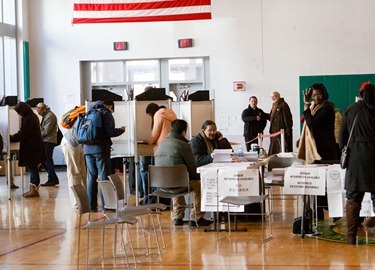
(344, 151)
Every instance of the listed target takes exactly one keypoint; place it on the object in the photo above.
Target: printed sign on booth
(305, 180)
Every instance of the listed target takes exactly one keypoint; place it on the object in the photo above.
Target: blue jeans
(98, 168)
(34, 175)
(144, 161)
(48, 164)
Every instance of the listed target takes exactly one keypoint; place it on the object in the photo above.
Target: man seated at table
(175, 150)
(204, 143)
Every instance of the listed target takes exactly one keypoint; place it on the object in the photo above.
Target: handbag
(344, 152)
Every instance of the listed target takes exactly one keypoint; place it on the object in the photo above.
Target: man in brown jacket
(280, 118)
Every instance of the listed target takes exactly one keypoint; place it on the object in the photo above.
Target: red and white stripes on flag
(109, 11)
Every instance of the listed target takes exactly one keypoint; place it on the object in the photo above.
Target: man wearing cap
(98, 156)
(48, 128)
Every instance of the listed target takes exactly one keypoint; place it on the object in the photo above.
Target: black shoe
(178, 222)
(94, 210)
(13, 186)
(200, 223)
(50, 183)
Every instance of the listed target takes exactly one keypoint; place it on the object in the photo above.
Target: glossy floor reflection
(41, 233)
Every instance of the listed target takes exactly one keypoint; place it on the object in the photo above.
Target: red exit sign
(120, 46)
(185, 43)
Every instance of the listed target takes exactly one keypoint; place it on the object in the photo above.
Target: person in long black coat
(359, 177)
(31, 151)
(322, 122)
(255, 121)
(320, 119)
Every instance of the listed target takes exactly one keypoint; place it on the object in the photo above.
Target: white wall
(268, 44)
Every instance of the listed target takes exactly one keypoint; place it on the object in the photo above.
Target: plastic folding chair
(112, 202)
(170, 182)
(84, 208)
(117, 182)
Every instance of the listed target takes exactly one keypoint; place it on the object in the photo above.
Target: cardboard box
(17, 170)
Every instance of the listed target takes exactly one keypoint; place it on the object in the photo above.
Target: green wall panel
(338, 90)
(342, 89)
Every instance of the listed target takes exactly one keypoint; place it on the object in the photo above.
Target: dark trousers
(48, 164)
(144, 162)
(34, 175)
(358, 197)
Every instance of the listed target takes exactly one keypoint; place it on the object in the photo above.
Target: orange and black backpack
(68, 119)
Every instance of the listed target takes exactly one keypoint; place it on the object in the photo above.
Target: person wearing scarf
(204, 143)
(317, 141)
(280, 118)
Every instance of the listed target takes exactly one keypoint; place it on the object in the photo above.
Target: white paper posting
(335, 191)
(209, 190)
(305, 180)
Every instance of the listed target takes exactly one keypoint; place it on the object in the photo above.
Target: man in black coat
(254, 122)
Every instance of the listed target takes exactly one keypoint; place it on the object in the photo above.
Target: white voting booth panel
(124, 116)
(124, 144)
(9, 124)
(195, 113)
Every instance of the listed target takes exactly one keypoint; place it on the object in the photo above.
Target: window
(10, 63)
(189, 69)
(132, 76)
(8, 12)
(143, 71)
(107, 72)
(8, 48)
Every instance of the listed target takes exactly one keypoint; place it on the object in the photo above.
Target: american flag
(109, 11)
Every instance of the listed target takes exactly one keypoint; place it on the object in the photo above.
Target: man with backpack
(73, 153)
(98, 154)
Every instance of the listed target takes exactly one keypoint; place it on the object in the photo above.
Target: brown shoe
(369, 222)
(32, 193)
(13, 186)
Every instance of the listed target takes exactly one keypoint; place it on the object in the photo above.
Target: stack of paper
(222, 155)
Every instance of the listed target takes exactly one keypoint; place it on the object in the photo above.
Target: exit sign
(120, 46)
(185, 43)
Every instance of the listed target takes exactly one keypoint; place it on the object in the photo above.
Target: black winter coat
(361, 164)
(200, 150)
(31, 150)
(251, 125)
(322, 126)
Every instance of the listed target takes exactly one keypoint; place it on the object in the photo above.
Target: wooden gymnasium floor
(41, 233)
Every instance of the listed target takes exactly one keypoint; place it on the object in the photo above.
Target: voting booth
(195, 113)
(9, 124)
